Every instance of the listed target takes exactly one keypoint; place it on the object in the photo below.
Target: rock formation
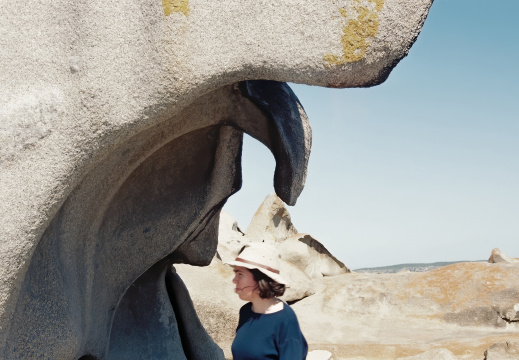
(459, 308)
(456, 312)
(271, 222)
(302, 257)
(120, 141)
(310, 256)
(498, 256)
(461, 311)
(503, 351)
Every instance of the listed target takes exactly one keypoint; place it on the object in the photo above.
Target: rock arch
(121, 129)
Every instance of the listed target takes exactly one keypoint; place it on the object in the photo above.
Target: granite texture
(120, 139)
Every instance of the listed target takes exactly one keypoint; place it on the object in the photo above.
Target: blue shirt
(268, 336)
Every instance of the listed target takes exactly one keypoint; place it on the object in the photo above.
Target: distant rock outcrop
(271, 222)
(303, 257)
(498, 256)
(460, 308)
(310, 256)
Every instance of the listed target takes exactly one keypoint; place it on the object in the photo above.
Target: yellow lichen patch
(360, 24)
(171, 6)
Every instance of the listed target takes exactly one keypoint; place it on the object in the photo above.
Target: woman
(268, 327)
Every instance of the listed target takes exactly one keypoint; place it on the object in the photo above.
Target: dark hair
(268, 288)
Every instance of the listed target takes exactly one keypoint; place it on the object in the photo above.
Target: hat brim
(276, 277)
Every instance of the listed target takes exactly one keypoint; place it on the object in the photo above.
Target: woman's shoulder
(289, 310)
(287, 314)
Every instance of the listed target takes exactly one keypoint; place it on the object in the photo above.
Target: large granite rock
(271, 222)
(120, 141)
(217, 306)
(310, 256)
(497, 256)
(458, 308)
(302, 257)
(230, 238)
(503, 351)
(231, 241)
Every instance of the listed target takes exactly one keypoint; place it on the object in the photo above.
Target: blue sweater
(268, 336)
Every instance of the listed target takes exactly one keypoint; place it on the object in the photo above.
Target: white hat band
(258, 264)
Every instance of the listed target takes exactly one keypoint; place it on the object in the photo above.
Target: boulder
(230, 238)
(498, 256)
(310, 256)
(388, 316)
(503, 351)
(229, 231)
(299, 284)
(271, 222)
(230, 242)
(302, 257)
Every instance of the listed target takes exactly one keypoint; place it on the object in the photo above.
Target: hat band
(257, 264)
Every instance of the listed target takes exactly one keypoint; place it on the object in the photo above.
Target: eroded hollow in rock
(148, 203)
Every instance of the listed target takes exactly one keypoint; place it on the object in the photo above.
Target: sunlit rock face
(155, 199)
(462, 308)
(456, 312)
(497, 256)
(120, 140)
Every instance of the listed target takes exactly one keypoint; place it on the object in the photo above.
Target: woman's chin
(243, 297)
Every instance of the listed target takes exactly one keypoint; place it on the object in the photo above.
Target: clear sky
(424, 167)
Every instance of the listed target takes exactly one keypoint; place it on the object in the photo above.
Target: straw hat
(263, 257)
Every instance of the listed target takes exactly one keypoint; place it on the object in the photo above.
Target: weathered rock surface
(498, 256)
(388, 316)
(310, 256)
(271, 222)
(503, 351)
(302, 257)
(454, 312)
(230, 238)
(230, 243)
(436, 354)
(217, 306)
(120, 140)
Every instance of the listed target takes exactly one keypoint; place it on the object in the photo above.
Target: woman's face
(246, 286)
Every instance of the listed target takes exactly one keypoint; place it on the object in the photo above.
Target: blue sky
(424, 167)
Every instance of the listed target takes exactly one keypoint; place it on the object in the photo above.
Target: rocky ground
(463, 311)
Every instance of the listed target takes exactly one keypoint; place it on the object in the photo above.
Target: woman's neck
(266, 306)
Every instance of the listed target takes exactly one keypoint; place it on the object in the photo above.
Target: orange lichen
(457, 284)
(171, 6)
(360, 25)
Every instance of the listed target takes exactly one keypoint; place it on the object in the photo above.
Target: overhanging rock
(120, 139)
